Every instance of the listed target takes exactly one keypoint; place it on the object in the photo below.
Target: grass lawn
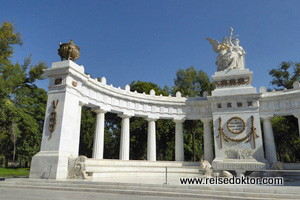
(5, 172)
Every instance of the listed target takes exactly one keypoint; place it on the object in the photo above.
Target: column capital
(82, 103)
(178, 120)
(297, 115)
(124, 115)
(97, 110)
(266, 117)
(206, 119)
(151, 118)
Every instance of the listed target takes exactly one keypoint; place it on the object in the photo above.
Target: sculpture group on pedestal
(231, 55)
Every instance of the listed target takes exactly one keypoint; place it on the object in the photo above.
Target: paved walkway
(29, 194)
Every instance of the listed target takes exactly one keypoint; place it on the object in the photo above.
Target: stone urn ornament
(68, 51)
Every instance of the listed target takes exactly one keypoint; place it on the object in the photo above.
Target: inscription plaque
(236, 125)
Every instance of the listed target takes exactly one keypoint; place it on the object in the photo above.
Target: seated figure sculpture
(231, 55)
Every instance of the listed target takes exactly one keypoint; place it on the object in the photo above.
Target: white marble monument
(235, 108)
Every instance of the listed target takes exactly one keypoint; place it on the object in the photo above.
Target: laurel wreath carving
(53, 118)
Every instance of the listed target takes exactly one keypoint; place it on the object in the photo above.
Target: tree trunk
(194, 151)
(14, 154)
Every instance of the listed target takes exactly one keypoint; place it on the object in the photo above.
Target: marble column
(297, 115)
(78, 123)
(125, 137)
(179, 148)
(98, 147)
(207, 137)
(151, 140)
(269, 140)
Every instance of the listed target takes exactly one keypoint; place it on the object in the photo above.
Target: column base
(49, 165)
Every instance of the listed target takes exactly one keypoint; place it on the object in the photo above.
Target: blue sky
(127, 40)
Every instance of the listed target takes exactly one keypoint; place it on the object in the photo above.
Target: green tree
(22, 103)
(287, 138)
(282, 77)
(191, 82)
(141, 86)
(87, 128)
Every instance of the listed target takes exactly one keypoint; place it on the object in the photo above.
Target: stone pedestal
(233, 82)
(235, 109)
(62, 141)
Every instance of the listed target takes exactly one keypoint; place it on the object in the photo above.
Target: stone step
(112, 162)
(203, 191)
(140, 192)
(157, 178)
(109, 168)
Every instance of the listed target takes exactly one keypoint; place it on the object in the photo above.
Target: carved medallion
(74, 83)
(53, 118)
(236, 125)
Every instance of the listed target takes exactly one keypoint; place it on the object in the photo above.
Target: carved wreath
(53, 118)
(233, 131)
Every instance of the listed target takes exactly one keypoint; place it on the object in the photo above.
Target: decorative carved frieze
(250, 103)
(239, 104)
(239, 154)
(233, 82)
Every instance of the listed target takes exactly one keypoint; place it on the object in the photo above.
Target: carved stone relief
(53, 118)
(239, 154)
(77, 168)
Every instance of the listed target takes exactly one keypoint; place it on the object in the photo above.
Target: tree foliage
(287, 138)
(282, 77)
(191, 82)
(22, 103)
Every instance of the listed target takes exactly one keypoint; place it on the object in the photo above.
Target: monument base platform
(240, 166)
(49, 165)
(133, 171)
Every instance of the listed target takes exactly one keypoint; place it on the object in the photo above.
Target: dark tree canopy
(282, 76)
(191, 82)
(8, 37)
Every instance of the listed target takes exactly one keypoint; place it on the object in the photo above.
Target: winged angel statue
(231, 55)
